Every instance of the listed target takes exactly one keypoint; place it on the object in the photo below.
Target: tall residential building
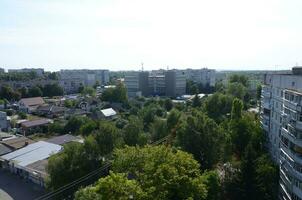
(2, 70)
(204, 76)
(170, 83)
(71, 80)
(281, 119)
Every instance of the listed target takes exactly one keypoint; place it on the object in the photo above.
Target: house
(33, 126)
(30, 105)
(51, 111)
(4, 121)
(30, 161)
(108, 113)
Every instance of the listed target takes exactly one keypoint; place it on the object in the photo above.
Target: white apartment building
(71, 80)
(204, 76)
(281, 119)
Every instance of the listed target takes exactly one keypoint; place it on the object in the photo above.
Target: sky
(123, 34)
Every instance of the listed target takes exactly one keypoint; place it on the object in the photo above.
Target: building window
(293, 84)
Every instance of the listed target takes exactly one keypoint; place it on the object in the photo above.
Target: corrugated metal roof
(108, 112)
(32, 101)
(63, 139)
(33, 123)
(32, 153)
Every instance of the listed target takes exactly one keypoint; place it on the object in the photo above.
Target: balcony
(266, 105)
(292, 137)
(264, 126)
(295, 156)
(297, 191)
(292, 105)
(299, 125)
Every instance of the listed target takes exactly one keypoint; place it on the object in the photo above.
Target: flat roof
(63, 139)
(32, 153)
(17, 143)
(108, 112)
(33, 123)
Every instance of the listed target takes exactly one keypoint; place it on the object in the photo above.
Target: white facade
(204, 76)
(71, 80)
(281, 119)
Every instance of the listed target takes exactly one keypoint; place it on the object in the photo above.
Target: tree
(88, 127)
(158, 129)
(173, 119)
(212, 181)
(236, 109)
(133, 132)
(50, 90)
(196, 101)
(97, 84)
(115, 186)
(242, 79)
(70, 103)
(202, 137)
(117, 94)
(70, 164)
(237, 90)
(161, 172)
(88, 91)
(35, 92)
(8, 93)
(74, 124)
(107, 137)
(168, 104)
(24, 92)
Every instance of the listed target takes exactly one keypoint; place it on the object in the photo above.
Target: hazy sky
(120, 34)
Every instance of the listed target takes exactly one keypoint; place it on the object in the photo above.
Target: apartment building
(281, 119)
(170, 83)
(71, 80)
(204, 76)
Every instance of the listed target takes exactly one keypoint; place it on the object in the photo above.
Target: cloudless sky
(121, 34)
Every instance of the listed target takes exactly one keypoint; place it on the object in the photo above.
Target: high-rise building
(281, 119)
(71, 80)
(170, 83)
(204, 76)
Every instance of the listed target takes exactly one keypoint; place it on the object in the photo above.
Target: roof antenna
(142, 66)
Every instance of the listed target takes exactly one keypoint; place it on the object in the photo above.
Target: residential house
(51, 111)
(30, 105)
(34, 126)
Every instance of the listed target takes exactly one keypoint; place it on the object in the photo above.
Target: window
(293, 84)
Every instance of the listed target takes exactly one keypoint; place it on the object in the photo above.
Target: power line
(104, 169)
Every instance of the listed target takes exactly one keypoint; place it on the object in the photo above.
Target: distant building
(170, 83)
(38, 71)
(71, 80)
(2, 70)
(4, 122)
(204, 76)
(30, 161)
(281, 120)
(30, 105)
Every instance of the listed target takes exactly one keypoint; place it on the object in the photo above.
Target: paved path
(12, 187)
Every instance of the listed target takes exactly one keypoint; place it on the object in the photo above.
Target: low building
(34, 126)
(30, 162)
(30, 105)
(51, 111)
(108, 113)
(16, 142)
(4, 122)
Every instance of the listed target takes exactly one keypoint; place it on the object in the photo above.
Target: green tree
(196, 102)
(88, 91)
(113, 187)
(259, 89)
(168, 104)
(173, 119)
(237, 90)
(133, 132)
(35, 92)
(8, 93)
(242, 79)
(161, 172)
(158, 129)
(50, 90)
(88, 127)
(236, 109)
(74, 124)
(212, 181)
(202, 137)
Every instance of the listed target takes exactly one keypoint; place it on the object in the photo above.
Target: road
(12, 187)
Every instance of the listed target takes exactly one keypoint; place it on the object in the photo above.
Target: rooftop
(32, 153)
(108, 112)
(33, 123)
(32, 101)
(17, 143)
